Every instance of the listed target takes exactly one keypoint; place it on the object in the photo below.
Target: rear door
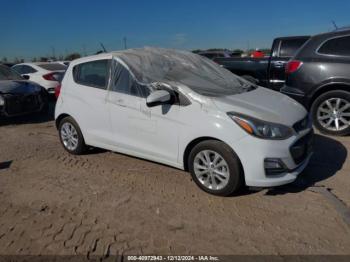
(283, 51)
(87, 100)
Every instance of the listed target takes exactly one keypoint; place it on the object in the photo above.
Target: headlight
(261, 129)
(2, 101)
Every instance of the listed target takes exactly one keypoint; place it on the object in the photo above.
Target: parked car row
(268, 71)
(46, 74)
(313, 70)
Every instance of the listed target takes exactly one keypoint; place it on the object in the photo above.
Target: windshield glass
(200, 74)
(7, 73)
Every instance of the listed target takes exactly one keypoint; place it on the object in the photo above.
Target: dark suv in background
(319, 78)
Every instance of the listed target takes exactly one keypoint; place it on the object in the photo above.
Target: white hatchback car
(45, 74)
(183, 110)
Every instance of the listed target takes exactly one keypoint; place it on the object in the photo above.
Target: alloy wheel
(334, 114)
(211, 169)
(69, 136)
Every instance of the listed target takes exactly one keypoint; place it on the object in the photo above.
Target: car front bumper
(16, 105)
(294, 153)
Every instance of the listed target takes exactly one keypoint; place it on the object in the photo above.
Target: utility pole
(53, 52)
(84, 50)
(124, 40)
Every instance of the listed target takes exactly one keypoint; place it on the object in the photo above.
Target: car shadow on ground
(328, 158)
(35, 118)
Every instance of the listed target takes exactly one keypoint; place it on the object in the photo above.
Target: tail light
(57, 91)
(49, 77)
(293, 66)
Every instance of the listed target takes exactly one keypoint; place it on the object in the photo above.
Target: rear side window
(337, 46)
(289, 47)
(52, 66)
(94, 74)
(24, 69)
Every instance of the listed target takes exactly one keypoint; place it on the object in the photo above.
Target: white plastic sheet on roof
(149, 65)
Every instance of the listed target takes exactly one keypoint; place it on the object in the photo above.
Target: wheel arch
(59, 119)
(343, 86)
(198, 140)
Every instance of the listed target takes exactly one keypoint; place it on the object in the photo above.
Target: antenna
(103, 48)
(335, 25)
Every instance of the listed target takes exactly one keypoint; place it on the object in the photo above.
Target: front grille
(19, 104)
(302, 124)
(301, 148)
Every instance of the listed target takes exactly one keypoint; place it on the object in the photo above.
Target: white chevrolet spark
(185, 111)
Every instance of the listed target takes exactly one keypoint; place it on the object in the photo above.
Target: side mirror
(158, 97)
(26, 77)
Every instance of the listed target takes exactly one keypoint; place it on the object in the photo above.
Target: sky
(34, 28)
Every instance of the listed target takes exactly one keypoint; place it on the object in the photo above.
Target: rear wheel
(331, 113)
(215, 168)
(71, 136)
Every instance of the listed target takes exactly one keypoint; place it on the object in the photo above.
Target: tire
(339, 113)
(250, 79)
(79, 147)
(230, 183)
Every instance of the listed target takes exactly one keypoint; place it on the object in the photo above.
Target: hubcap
(211, 169)
(69, 136)
(334, 114)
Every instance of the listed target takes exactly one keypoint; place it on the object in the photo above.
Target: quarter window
(94, 74)
(291, 46)
(337, 46)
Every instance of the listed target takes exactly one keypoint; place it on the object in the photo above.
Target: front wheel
(331, 113)
(215, 168)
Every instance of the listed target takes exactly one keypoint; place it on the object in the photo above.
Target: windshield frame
(201, 75)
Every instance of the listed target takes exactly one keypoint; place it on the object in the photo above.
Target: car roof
(338, 32)
(292, 37)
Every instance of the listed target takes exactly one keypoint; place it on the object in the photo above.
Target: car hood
(18, 87)
(263, 104)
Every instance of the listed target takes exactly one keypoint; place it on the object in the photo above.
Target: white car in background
(45, 74)
(183, 110)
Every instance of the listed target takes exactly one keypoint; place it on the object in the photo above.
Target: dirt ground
(105, 203)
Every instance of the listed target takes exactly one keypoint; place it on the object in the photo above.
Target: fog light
(274, 165)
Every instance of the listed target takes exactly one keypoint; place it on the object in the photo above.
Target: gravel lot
(106, 203)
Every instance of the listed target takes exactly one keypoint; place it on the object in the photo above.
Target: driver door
(137, 129)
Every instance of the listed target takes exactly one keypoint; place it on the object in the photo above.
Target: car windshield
(199, 74)
(53, 66)
(7, 73)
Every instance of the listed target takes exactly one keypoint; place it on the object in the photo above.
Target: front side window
(94, 74)
(123, 82)
(337, 46)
